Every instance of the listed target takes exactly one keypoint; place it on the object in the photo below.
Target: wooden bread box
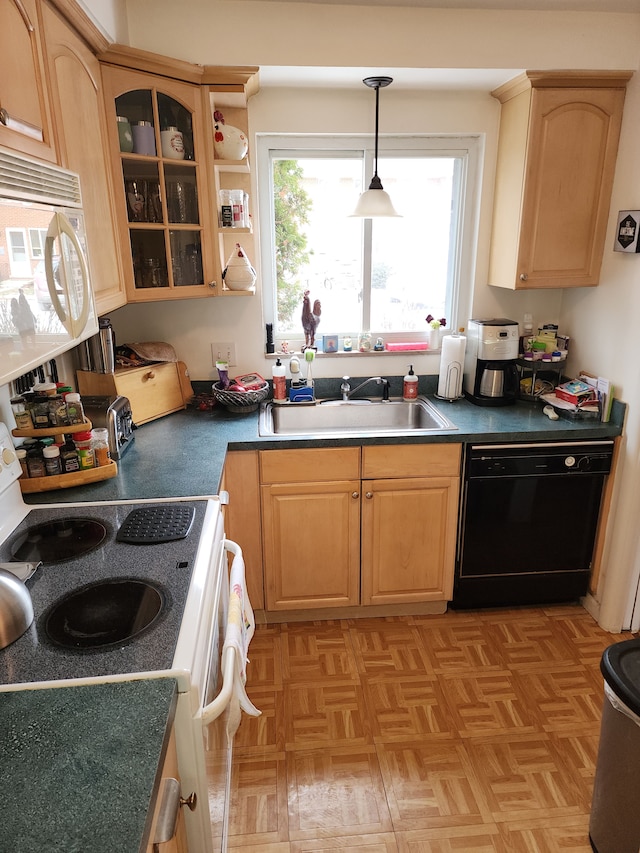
(153, 390)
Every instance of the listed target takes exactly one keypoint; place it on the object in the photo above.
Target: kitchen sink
(348, 417)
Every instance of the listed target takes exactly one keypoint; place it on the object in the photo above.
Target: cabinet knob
(213, 284)
(523, 276)
(368, 495)
(355, 494)
(190, 802)
(149, 375)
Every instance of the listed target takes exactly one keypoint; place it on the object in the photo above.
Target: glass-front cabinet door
(158, 142)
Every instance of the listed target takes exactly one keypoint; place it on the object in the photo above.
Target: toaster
(114, 413)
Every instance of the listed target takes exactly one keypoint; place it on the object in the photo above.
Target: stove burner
(57, 541)
(103, 614)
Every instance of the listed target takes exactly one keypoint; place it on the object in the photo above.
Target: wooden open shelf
(66, 481)
(61, 430)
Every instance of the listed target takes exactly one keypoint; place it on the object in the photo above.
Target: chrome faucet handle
(345, 388)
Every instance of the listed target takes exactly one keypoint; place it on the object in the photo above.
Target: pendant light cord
(376, 83)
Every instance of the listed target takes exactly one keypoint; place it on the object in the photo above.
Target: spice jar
(86, 456)
(52, 461)
(75, 410)
(21, 454)
(69, 457)
(100, 445)
(35, 461)
(21, 413)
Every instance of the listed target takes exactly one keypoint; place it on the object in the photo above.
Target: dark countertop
(81, 765)
(183, 454)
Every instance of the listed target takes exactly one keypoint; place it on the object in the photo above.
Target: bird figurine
(310, 320)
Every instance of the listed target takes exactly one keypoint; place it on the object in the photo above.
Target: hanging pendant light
(375, 201)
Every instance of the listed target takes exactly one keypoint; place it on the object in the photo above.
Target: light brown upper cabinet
(163, 200)
(25, 111)
(76, 91)
(557, 151)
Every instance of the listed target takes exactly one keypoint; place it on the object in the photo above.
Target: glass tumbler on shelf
(136, 202)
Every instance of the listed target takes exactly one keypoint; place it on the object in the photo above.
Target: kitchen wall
(600, 319)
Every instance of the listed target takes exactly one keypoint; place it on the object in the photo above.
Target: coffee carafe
(490, 369)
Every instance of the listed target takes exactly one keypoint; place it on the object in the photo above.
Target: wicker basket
(241, 402)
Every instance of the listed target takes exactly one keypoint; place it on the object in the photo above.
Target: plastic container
(100, 445)
(279, 381)
(410, 385)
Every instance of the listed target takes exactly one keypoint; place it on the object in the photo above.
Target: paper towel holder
(451, 373)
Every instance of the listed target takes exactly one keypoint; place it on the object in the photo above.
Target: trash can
(614, 825)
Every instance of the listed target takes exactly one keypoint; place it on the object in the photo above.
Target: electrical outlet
(224, 351)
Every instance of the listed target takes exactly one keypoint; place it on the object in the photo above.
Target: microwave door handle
(58, 227)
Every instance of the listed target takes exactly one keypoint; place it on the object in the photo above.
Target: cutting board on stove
(186, 388)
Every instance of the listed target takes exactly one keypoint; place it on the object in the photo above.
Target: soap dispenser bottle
(410, 385)
(279, 381)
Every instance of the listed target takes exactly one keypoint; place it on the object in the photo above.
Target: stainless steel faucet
(347, 392)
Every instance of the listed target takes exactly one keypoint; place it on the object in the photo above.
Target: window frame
(467, 147)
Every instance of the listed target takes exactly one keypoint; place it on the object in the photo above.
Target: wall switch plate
(224, 351)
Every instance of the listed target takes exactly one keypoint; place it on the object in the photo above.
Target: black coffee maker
(490, 369)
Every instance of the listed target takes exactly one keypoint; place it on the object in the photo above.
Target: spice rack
(63, 481)
(531, 370)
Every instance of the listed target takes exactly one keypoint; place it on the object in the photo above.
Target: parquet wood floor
(470, 731)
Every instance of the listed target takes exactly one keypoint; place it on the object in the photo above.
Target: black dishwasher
(528, 522)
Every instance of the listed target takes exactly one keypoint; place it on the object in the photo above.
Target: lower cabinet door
(311, 541)
(408, 539)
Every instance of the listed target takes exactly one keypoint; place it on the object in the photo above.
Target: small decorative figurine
(379, 345)
(310, 320)
(229, 143)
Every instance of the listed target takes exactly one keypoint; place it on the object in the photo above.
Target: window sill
(354, 353)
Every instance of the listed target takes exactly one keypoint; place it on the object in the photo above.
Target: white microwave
(46, 301)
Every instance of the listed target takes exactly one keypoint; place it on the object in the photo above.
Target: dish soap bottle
(410, 385)
(279, 381)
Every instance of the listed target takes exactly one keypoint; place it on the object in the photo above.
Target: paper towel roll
(451, 367)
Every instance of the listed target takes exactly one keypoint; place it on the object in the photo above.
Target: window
(382, 275)
(37, 237)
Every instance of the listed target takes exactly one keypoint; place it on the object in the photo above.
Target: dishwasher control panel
(526, 460)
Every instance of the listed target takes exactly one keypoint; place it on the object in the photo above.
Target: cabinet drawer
(310, 465)
(411, 460)
(152, 390)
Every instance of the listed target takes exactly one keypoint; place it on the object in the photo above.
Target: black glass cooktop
(57, 541)
(104, 613)
(166, 568)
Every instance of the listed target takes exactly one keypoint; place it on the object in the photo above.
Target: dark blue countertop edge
(81, 765)
(183, 454)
